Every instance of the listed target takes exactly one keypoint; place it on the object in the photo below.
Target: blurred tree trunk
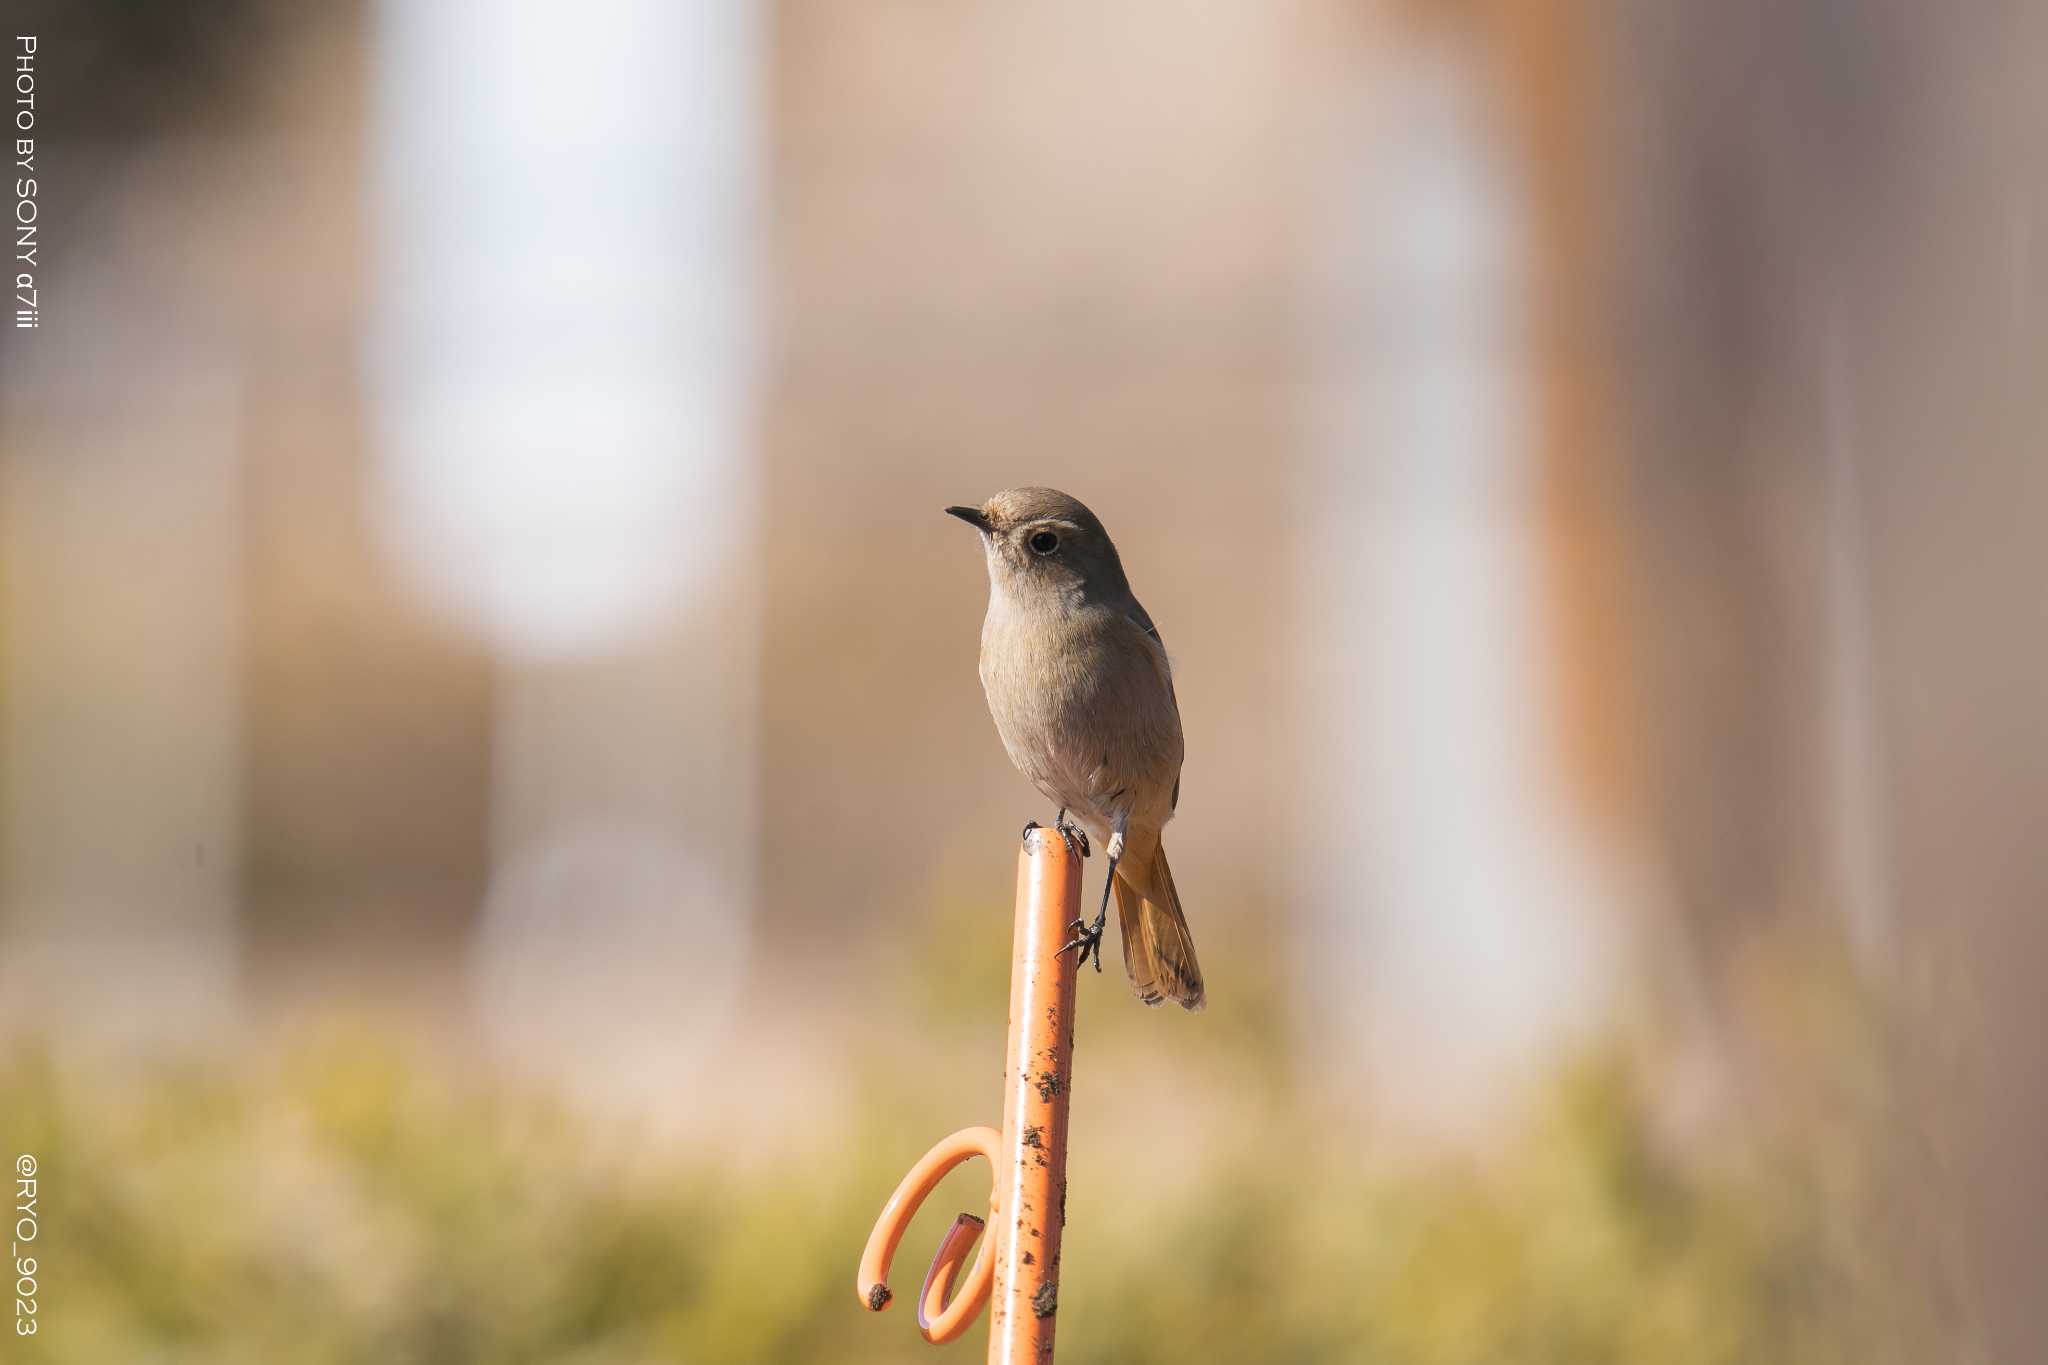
(1822, 434)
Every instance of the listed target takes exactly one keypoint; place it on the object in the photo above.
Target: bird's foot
(1088, 938)
(1075, 838)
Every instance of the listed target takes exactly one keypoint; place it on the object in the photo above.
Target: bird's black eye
(1044, 543)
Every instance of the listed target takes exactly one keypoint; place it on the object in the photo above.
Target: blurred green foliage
(346, 1201)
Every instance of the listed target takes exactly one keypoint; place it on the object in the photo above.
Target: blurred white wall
(561, 373)
(1457, 935)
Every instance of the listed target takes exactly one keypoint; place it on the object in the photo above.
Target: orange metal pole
(1019, 1263)
(1031, 1182)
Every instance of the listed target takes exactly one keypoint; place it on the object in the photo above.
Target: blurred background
(504, 856)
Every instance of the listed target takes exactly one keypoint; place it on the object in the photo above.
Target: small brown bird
(1079, 685)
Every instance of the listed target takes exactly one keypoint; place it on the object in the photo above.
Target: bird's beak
(971, 515)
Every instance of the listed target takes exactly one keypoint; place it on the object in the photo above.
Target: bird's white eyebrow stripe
(1050, 521)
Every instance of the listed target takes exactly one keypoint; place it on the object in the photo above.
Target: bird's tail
(1159, 953)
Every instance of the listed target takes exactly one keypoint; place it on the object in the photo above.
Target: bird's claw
(1075, 838)
(1088, 938)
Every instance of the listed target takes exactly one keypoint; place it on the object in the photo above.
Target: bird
(1082, 694)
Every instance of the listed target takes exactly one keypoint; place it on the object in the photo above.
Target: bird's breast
(1083, 707)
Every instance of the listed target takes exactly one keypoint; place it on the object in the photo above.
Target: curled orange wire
(938, 1320)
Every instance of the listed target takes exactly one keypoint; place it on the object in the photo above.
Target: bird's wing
(1143, 620)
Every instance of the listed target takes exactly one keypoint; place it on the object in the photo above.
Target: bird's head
(1044, 545)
